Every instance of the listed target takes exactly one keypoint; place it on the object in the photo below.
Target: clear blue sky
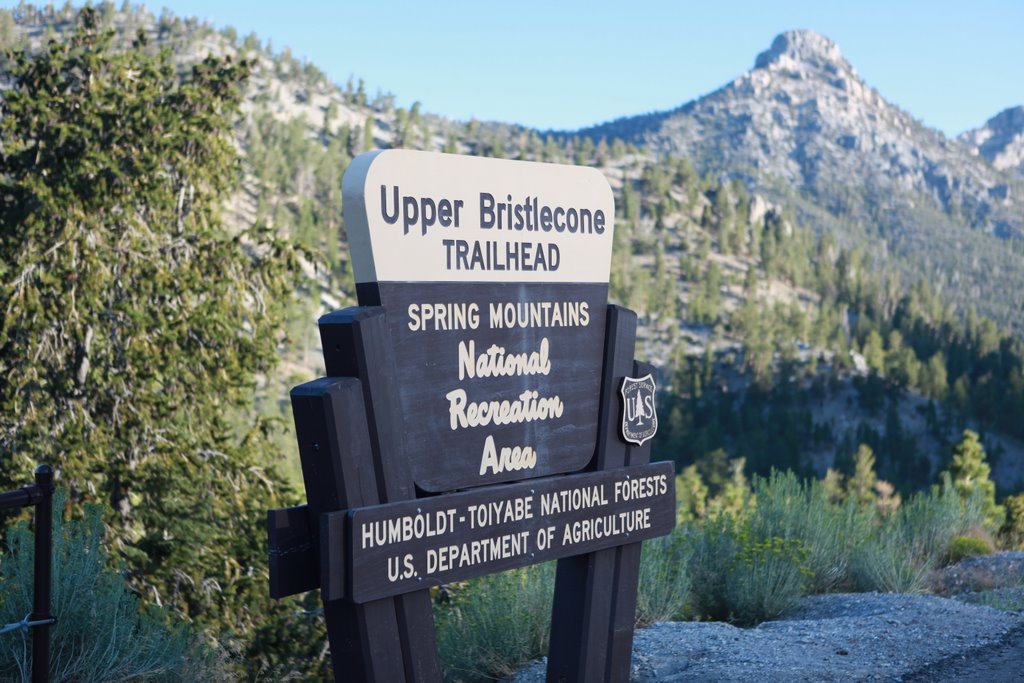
(567, 64)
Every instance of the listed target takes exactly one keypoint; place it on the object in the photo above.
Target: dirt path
(995, 663)
(869, 637)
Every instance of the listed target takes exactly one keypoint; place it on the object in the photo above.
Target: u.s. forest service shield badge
(639, 417)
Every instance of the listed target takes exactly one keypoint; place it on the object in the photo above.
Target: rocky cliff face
(1001, 140)
(803, 116)
(802, 128)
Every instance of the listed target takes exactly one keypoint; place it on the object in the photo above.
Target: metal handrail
(25, 624)
(40, 619)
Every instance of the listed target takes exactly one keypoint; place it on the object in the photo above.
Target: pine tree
(832, 485)
(132, 326)
(726, 219)
(935, 383)
(691, 495)
(861, 486)
(874, 353)
(369, 142)
(663, 293)
(735, 491)
(970, 476)
(361, 94)
(888, 501)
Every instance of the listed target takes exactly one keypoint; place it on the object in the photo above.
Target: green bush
(737, 575)
(884, 564)
(745, 568)
(767, 578)
(664, 581)
(830, 532)
(1010, 599)
(1013, 529)
(714, 547)
(927, 523)
(795, 540)
(100, 634)
(961, 547)
(494, 624)
(906, 546)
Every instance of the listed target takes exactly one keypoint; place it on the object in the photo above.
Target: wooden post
(627, 576)
(357, 343)
(337, 468)
(40, 619)
(587, 639)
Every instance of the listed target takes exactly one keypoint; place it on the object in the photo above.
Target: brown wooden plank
(627, 576)
(581, 615)
(416, 624)
(333, 581)
(427, 364)
(292, 551)
(611, 448)
(357, 342)
(334, 448)
(400, 547)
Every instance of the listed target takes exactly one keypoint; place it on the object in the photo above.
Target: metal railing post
(43, 573)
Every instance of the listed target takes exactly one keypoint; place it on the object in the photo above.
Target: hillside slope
(804, 128)
(717, 206)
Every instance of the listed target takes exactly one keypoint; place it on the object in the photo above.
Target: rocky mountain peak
(1008, 121)
(800, 49)
(803, 119)
(1001, 140)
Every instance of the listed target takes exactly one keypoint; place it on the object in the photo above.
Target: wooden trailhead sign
(482, 411)
(495, 278)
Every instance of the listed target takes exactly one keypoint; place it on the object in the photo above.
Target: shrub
(883, 564)
(714, 548)
(914, 540)
(494, 624)
(737, 575)
(747, 566)
(664, 581)
(100, 634)
(1013, 529)
(830, 532)
(1009, 599)
(767, 578)
(961, 547)
(927, 523)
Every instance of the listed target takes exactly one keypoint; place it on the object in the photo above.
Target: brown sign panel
(402, 547)
(494, 275)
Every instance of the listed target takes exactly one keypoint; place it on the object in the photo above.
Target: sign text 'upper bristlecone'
(494, 275)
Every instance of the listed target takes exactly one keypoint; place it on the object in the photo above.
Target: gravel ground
(841, 637)
(996, 663)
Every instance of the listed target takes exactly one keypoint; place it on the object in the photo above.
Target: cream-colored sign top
(430, 217)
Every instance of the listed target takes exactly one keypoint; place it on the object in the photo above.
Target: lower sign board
(401, 547)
